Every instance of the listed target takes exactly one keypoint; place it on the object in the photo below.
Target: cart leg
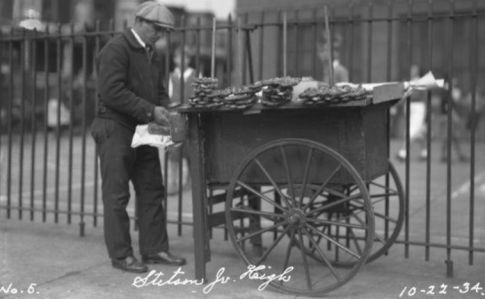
(201, 241)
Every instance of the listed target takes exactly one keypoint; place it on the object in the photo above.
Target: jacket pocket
(101, 129)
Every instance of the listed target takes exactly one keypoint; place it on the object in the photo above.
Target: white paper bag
(144, 137)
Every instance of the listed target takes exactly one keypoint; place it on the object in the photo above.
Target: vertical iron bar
(261, 43)
(369, 43)
(197, 42)
(474, 61)
(9, 124)
(250, 56)
(182, 70)
(71, 128)
(278, 56)
(239, 53)
(329, 51)
(46, 125)
(34, 125)
(23, 66)
(1, 109)
(428, 135)
(57, 124)
(390, 12)
(314, 49)
(213, 47)
(332, 54)
(408, 120)
(230, 51)
(285, 43)
(351, 43)
(244, 53)
(296, 71)
(84, 71)
(168, 55)
(449, 262)
(96, 149)
(181, 157)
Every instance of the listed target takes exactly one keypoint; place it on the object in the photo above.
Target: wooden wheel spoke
(277, 189)
(248, 210)
(356, 216)
(322, 187)
(305, 262)
(329, 222)
(335, 242)
(331, 204)
(273, 245)
(356, 243)
(352, 189)
(384, 196)
(373, 183)
(288, 252)
(305, 174)
(320, 252)
(380, 238)
(387, 218)
(260, 195)
(261, 231)
(288, 175)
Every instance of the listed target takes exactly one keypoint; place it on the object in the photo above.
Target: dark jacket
(130, 84)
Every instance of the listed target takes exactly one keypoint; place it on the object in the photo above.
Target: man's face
(151, 33)
(157, 33)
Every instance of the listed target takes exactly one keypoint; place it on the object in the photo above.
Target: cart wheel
(309, 180)
(387, 197)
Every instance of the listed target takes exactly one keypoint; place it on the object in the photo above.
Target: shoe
(165, 258)
(129, 264)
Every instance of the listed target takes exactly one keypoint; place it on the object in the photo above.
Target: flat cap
(156, 13)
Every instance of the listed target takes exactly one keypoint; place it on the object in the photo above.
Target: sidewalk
(56, 263)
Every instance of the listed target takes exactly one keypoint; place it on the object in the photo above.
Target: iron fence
(49, 165)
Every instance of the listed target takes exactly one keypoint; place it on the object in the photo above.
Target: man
(131, 92)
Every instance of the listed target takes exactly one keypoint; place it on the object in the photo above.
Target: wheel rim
(268, 230)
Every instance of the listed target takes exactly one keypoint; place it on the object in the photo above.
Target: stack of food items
(326, 95)
(278, 91)
(240, 98)
(204, 93)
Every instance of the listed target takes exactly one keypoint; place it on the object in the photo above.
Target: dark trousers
(120, 164)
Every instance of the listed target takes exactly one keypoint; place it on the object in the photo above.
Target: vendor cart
(308, 193)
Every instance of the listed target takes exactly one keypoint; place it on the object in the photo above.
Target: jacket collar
(132, 39)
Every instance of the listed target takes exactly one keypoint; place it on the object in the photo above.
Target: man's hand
(160, 116)
(154, 128)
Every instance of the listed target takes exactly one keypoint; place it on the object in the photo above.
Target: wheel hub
(296, 218)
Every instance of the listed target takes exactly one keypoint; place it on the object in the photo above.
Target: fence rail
(48, 100)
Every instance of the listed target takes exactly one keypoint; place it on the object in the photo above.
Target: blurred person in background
(130, 93)
(417, 119)
(340, 72)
